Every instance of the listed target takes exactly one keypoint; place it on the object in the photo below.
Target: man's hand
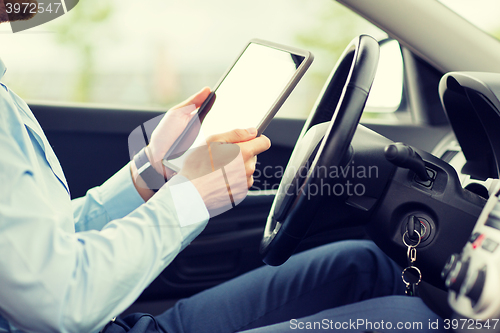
(167, 131)
(171, 127)
(222, 171)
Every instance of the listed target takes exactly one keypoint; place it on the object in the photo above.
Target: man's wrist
(169, 170)
(154, 174)
(149, 175)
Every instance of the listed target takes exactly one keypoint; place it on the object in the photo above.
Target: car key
(411, 281)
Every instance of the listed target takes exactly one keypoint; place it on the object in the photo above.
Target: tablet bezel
(280, 99)
(285, 93)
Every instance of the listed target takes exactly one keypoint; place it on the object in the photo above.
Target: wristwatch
(154, 181)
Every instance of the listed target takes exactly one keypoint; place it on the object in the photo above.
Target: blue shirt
(72, 265)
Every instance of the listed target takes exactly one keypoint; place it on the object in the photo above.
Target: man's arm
(114, 199)
(56, 280)
(125, 191)
(53, 280)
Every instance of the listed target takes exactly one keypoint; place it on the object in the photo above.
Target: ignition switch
(415, 227)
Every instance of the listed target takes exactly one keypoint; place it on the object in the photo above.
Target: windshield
(481, 13)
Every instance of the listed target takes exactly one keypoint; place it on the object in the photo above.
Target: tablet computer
(250, 93)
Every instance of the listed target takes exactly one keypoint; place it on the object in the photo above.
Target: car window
(481, 13)
(386, 93)
(156, 53)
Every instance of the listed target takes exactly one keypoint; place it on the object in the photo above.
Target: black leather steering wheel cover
(341, 103)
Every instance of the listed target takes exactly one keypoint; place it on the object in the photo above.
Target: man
(72, 266)
(121, 243)
(78, 264)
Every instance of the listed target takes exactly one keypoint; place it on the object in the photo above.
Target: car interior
(432, 173)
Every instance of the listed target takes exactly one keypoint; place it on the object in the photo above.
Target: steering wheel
(324, 142)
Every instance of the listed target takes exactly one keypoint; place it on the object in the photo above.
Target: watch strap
(154, 181)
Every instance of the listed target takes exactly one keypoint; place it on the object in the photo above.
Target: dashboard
(471, 102)
(472, 105)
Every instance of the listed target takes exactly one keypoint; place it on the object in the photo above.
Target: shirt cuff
(191, 211)
(119, 195)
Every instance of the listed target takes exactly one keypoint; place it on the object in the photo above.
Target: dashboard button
(450, 265)
(457, 276)
(478, 241)
(473, 237)
(489, 245)
(476, 290)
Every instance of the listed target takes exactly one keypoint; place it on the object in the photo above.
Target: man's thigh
(310, 282)
(383, 314)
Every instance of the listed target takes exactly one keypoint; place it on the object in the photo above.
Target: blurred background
(155, 53)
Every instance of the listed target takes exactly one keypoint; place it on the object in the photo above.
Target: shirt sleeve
(114, 199)
(55, 280)
(118, 197)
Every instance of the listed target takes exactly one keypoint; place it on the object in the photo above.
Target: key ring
(419, 239)
(419, 275)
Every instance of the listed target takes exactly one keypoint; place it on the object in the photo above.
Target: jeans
(348, 285)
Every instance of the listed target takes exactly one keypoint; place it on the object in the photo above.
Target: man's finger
(196, 100)
(234, 136)
(250, 166)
